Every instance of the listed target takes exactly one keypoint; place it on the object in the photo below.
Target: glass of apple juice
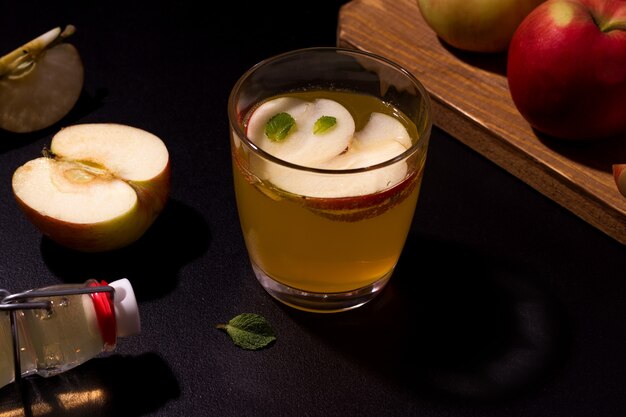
(328, 152)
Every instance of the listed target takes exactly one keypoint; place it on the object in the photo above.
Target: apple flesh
(566, 68)
(340, 148)
(476, 25)
(301, 146)
(40, 82)
(351, 209)
(337, 187)
(99, 188)
(619, 173)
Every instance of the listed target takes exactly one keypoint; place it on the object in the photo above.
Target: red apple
(567, 68)
(619, 173)
(476, 25)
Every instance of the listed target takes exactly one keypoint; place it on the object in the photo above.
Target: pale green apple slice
(40, 82)
(100, 189)
(337, 185)
(383, 138)
(302, 145)
(383, 128)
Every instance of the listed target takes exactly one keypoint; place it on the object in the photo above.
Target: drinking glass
(311, 248)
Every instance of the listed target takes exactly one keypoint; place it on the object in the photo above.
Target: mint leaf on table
(249, 331)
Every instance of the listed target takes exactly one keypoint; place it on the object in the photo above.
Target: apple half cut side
(619, 173)
(40, 82)
(99, 189)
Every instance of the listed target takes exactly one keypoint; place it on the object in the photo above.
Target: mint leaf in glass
(323, 124)
(279, 126)
(249, 331)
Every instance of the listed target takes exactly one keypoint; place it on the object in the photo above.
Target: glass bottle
(72, 329)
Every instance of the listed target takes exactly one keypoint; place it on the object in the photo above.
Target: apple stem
(67, 32)
(610, 26)
(47, 153)
(21, 59)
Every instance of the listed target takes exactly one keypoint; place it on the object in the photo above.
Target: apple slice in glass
(99, 188)
(40, 82)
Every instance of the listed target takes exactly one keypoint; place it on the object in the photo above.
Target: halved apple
(99, 188)
(619, 173)
(40, 82)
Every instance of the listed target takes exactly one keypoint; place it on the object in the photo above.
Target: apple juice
(51, 341)
(320, 243)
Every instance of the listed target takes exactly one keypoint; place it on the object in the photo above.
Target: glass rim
(242, 136)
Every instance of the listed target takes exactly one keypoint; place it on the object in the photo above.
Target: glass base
(320, 302)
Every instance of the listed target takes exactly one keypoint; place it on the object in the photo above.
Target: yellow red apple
(40, 82)
(476, 25)
(566, 68)
(99, 187)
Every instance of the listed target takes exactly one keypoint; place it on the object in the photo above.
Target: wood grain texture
(471, 101)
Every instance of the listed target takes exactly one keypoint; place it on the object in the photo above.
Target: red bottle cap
(105, 313)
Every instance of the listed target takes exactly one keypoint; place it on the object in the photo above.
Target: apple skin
(352, 209)
(109, 235)
(619, 173)
(476, 25)
(567, 76)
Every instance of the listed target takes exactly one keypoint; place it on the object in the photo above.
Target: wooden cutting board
(471, 102)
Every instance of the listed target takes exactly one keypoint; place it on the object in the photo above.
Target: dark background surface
(503, 303)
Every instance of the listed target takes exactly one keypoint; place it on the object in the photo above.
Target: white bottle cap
(126, 309)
